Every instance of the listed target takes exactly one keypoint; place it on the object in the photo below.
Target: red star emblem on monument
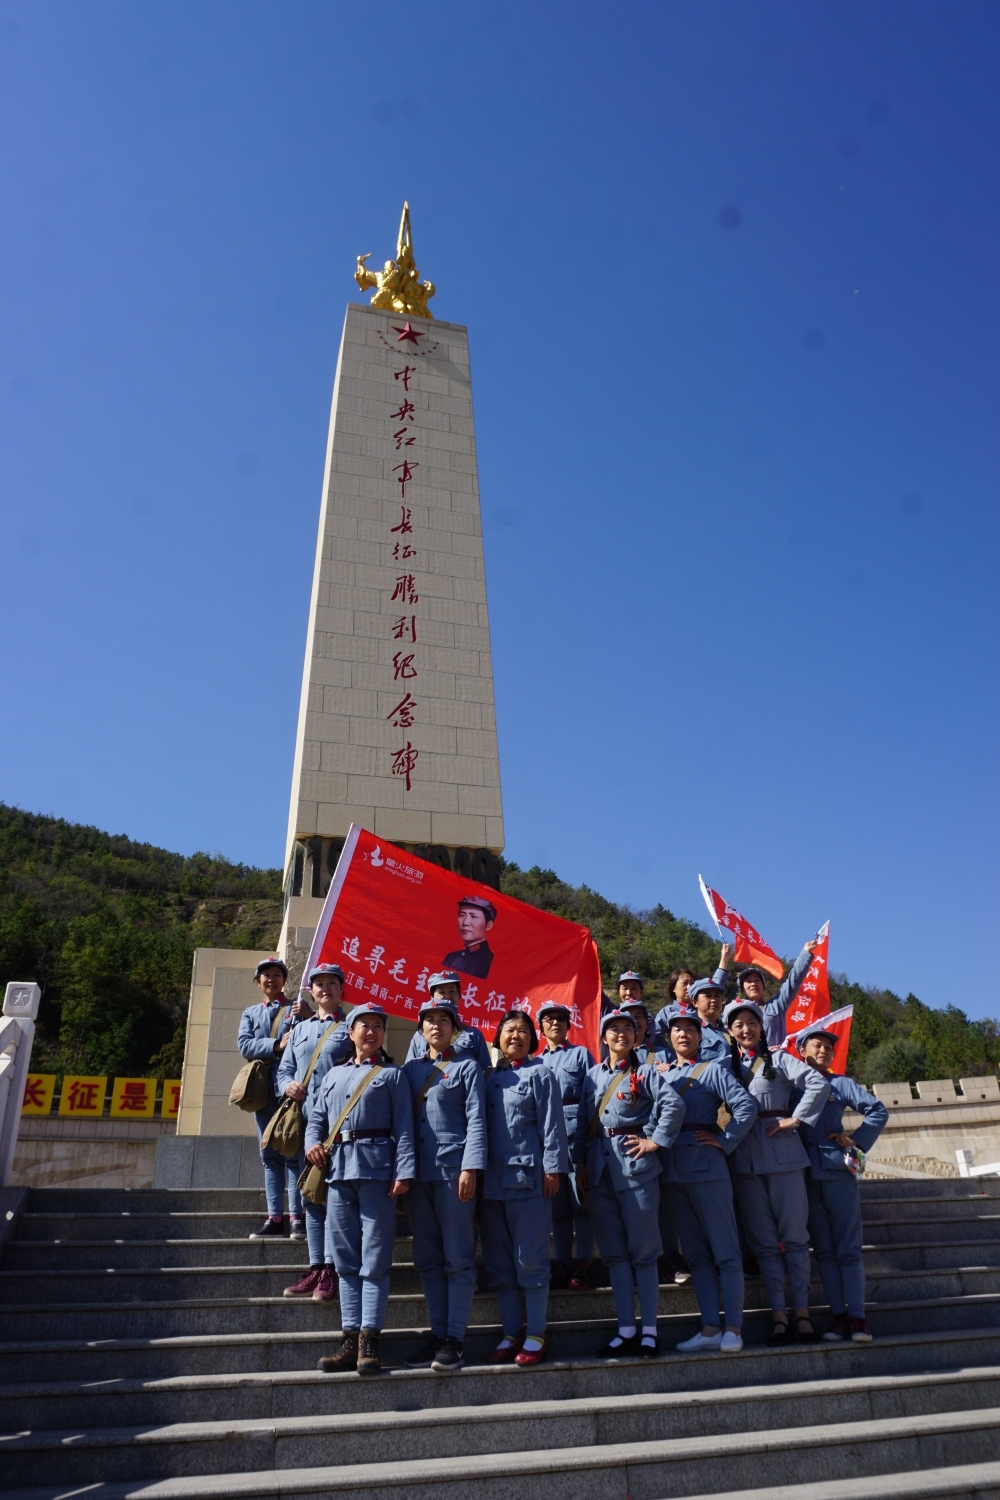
(407, 334)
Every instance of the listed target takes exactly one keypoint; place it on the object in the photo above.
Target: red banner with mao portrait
(390, 920)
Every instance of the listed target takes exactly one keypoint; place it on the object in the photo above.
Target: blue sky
(730, 276)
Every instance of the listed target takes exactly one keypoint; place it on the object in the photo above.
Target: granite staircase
(146, 1351)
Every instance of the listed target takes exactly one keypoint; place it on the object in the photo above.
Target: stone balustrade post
(17, 1033)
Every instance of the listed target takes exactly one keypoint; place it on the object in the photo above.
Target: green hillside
(108, 927)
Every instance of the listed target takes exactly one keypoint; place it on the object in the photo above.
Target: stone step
(33, 1256)
(958, 1482)
(257, 1347)
(931, 1231)
(100, 1399)
(885, 1190)
(28, 1294)
(664, 1468)
(70, 1456)
(146, 1200)
(969, 1205)
(137, 1226)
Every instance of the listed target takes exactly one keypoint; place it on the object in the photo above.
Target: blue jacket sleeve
(474, 1155)
(286, 1068)
(721, 978)
(417, 1048)
(668, 1113)
(793, 980)
(741, 1106)
(551, 1122)
(318, 1124)
(814, 1091)
(251, 1046)
(584, 1115)
(402, 1128)
(875, 1114)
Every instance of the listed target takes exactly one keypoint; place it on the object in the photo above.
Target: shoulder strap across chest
(352, 1101)
(432, 1078)
(687, 1082)
(276, 1023)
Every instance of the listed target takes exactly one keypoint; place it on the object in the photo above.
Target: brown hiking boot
(368, 1360)
(344, 1357)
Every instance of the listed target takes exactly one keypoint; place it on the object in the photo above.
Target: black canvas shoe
(449, 1358)
(271, 1229)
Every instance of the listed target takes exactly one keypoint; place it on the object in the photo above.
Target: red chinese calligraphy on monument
(391, 919)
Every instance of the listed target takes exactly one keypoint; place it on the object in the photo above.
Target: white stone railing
(17, 1032)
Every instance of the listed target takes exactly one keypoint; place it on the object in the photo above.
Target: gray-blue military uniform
(624, 1192)
(834, 1195)
(373, 1149)
(450, 1130)
(769, 1172)
(255, 1043)
(292, 1069)
(699, 1189)
(775, 1010)
(469, 1039)
(526, 1137)
(570, 1066)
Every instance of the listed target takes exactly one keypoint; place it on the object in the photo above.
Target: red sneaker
(839, 1330)
(306, 1285)
(326, 1286)
(860, 1332)
(526, 1357)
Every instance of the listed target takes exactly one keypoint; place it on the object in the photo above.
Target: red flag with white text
(813, 998)
(839, 1022)
(748, 945)
(391, 919)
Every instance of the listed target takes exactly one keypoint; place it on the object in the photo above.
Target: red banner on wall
(391, 920)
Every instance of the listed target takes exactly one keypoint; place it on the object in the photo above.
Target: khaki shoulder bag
(312, 1182)
(251, 1088)
(286, 1130)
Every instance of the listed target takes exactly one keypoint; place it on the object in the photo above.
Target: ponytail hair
(766, 1051)
(736, 1059)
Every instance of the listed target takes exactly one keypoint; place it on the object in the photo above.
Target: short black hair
(523, 1015)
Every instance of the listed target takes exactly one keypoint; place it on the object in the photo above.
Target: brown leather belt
(622, 1130)
(712, 1129)
(346, 1136)
(773, 1114)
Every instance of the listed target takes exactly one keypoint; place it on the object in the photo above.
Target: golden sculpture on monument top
(398, 285)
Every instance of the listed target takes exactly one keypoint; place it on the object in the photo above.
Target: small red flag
(748, 945)
(839, 1022)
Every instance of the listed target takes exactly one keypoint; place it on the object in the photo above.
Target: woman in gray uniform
(449, 1107)
(627, 1114)
(526, 1138)
(699, 1190)
(769, 1166)
(570, 1064)
(832, 1185)
(361, 1132)
(321, 1035)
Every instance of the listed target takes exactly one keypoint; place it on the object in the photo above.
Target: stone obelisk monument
(396, 721)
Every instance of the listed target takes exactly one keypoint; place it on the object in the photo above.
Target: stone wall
(87, 1153)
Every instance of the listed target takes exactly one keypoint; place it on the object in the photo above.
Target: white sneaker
(700, 1342)
(731, 1343)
